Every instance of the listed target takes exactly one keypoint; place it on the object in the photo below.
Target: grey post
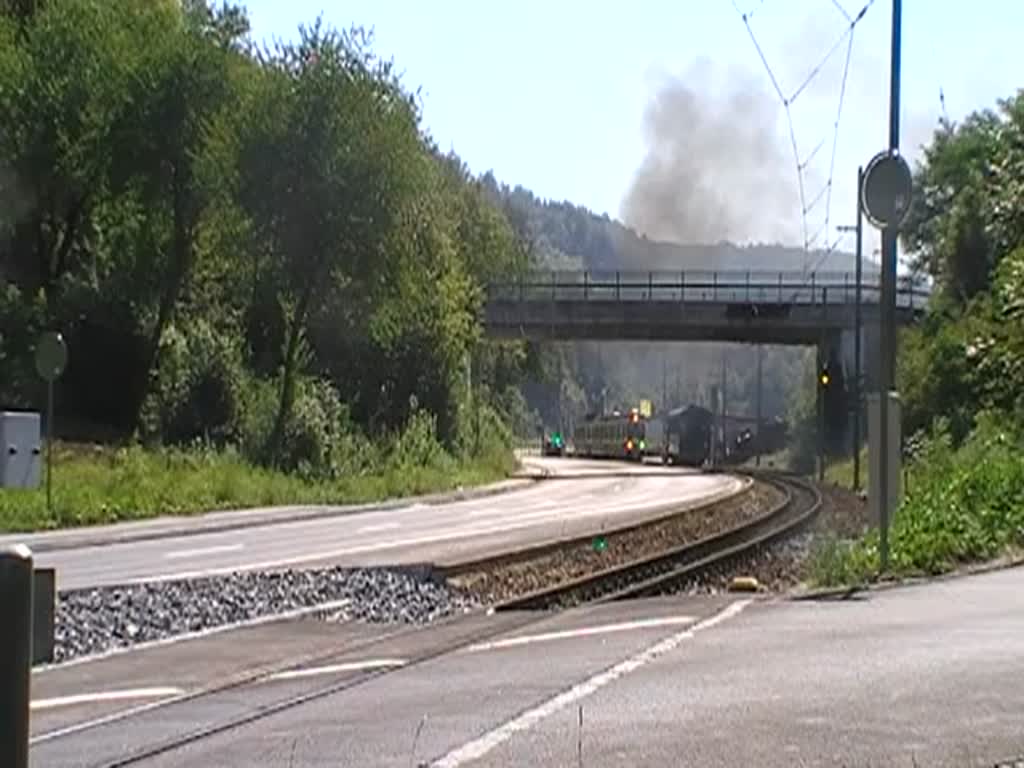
(857, 396)
(819, 402)
(758, 406)
(15, 654)
(51, 358)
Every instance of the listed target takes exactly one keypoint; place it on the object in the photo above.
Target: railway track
(647, 576)
(662, 572)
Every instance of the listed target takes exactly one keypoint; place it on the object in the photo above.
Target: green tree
(967, 228)
(325, 142)
(967, 212)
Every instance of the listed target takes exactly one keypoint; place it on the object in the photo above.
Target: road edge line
(191, 525)
(482, 745)
(295, 613)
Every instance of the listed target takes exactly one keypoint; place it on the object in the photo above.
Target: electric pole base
(894, 456)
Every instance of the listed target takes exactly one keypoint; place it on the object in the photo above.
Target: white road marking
(522, 521)
(185, 553)
(100, 696)
(122, 714)
(602, 629)
(351, 666)
(479, 747)
(332, 605)
(379, 527)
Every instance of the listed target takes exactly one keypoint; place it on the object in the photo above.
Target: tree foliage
(251, 245)
(967, 231)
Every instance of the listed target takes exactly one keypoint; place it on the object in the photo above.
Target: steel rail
(656, 573)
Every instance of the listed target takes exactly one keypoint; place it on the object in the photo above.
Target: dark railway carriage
(687, 436)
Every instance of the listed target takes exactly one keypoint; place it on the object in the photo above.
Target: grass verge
(962, 505)
(95, 485)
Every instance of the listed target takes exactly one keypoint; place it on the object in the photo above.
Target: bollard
(44, 592)
(16, 577)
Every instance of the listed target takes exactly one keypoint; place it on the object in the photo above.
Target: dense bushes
(962, 504)
(961, 371)
(250, 247)
(967, 230)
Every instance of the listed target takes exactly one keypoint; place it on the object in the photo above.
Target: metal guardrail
(756, 287)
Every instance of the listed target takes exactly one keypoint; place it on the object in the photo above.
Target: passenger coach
(619, 436)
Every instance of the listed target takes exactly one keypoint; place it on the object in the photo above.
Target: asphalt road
(925, 675)
(581, 497)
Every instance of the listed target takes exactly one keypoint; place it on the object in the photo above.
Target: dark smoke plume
(717, 166)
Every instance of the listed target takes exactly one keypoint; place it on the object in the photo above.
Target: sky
(663, 114)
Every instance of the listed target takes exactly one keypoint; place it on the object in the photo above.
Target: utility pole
(820, 384)
(664, 384)
(888, 308)
(857, 325)
(725, 441)
(857, 394)
(757, 434)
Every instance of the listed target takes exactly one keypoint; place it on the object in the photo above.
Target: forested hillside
(257, 248)
(568, 236)
(260, 249)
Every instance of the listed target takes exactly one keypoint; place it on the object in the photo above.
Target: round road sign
(887, 189)
(51, 356)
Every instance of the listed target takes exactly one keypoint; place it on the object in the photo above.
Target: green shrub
(962, 505)
(417, 445)
(314, 431)
(198, 389)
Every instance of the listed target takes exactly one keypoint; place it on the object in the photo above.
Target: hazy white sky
(553, 95)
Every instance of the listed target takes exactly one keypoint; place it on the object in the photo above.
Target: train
(685, 436)
(681, 436)
(618, 436)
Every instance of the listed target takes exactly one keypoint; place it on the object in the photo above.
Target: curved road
(579, 498)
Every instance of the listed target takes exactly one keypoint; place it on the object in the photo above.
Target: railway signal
(824, 378)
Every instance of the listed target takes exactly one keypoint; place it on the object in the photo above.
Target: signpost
(51, 360)
(886, 192)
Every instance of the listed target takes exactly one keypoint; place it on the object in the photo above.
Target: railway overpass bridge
(757, 307)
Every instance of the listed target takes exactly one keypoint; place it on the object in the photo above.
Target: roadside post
(51, 360)
(16, 578)
(886, 195)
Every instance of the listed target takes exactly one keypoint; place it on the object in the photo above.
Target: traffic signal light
(823, 377)
(556, 440)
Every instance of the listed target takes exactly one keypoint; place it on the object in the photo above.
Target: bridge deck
(782, 308)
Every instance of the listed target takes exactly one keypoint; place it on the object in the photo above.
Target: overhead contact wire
(801, 165)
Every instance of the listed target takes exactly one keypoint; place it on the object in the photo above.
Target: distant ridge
(565, 236)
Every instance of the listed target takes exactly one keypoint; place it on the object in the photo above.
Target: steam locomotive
(686, 436)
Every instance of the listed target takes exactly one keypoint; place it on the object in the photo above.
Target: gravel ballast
(782, 566)
(91, 621)
(778, 567)
(506, 580)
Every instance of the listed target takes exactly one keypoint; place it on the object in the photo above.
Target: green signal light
(643, 444)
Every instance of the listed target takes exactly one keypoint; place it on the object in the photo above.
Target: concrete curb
(846, 593)
(173, 527)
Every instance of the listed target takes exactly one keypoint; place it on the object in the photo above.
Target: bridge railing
(761, 287)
